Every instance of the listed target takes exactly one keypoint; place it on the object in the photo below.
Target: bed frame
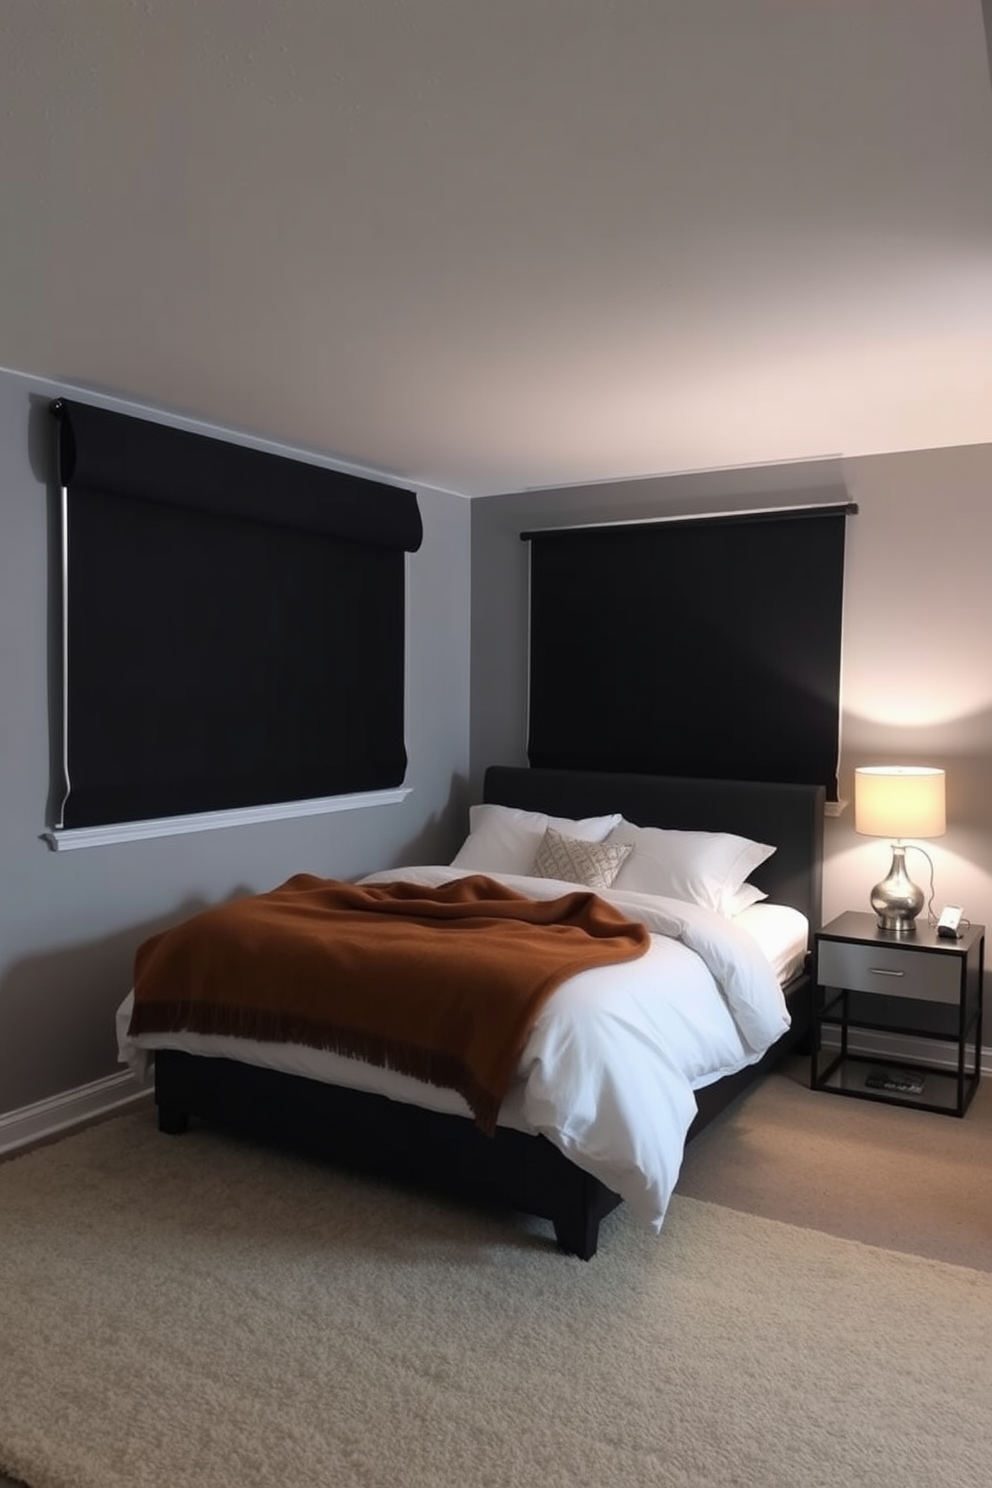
(514, 1169)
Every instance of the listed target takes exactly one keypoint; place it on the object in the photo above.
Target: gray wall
(70, 921)
(917, 675)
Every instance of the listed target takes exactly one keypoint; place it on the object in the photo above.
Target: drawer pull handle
(885, 971)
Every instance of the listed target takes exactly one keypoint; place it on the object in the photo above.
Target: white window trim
(62, 839)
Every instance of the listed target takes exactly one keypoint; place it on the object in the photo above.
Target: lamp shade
(899, 801)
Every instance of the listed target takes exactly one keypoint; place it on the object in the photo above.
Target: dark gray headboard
(788, 816)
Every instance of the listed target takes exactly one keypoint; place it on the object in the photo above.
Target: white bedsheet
(781, 932)
(609, 1070)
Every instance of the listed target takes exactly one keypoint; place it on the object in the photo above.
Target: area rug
(201, 1311)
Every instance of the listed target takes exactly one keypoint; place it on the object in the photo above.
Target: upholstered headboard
(788, 816)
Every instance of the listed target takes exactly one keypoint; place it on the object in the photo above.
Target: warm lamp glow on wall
(898, 801)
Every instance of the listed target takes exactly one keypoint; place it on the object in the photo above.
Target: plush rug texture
(200, 1311)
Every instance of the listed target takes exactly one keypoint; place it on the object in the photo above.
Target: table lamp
(898, 801)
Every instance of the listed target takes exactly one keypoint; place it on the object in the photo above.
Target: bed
(398, 1126)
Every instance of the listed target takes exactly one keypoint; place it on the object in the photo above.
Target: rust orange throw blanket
(440, 983)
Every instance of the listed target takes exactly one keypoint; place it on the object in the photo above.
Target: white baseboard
(72, 1108)
(898, 1047)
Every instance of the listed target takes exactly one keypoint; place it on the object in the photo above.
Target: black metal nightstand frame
(921, 987)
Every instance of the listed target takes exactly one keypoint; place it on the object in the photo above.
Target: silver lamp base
(897, 900)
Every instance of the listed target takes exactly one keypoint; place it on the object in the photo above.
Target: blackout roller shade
(706, 647)
(234, 623)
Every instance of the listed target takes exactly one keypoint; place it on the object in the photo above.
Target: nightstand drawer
(889, 970)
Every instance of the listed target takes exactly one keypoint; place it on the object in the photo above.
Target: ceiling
(488, 246)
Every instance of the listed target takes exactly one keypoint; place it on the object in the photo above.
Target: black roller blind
(234, 623)
(708, 647)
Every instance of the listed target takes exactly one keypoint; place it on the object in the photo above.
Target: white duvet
(610, 1068)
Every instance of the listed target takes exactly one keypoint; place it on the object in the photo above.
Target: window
(703, 647)
(233, 624)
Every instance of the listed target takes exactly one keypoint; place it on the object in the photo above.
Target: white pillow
(707, 868)
(746, 895)
(593, 864)
(502, 839)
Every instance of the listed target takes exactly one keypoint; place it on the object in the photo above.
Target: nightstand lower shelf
(942, 1091)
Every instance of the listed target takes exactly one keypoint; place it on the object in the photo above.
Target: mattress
(782, 933)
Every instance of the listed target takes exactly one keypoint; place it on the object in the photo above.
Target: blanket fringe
(432, 1066)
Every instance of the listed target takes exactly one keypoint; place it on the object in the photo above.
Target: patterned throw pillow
(594, 864)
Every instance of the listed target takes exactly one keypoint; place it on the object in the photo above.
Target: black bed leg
(172, 1121)
(578, 1237)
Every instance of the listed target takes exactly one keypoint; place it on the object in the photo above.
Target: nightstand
(915, 986)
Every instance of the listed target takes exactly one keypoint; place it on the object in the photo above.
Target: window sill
(61, 839)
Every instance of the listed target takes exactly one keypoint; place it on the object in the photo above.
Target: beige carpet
(198, 1312)
(887, 1175)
